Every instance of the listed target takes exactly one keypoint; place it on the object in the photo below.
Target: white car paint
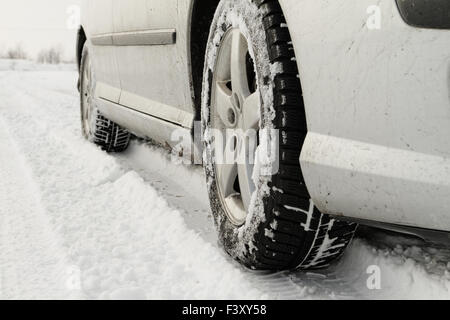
(377, 100)
(104, 57)
(378, 111)
(146, 84)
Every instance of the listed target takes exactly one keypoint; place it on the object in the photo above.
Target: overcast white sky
(36, 24)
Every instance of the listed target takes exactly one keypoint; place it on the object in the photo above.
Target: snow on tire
(282, 228)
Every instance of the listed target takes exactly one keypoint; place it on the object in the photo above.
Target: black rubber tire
(105, 133)
(284, 239)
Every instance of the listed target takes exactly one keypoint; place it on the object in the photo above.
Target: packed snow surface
(77, 223)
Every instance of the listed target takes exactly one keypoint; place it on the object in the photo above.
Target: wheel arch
(81, 39)
(201, 16)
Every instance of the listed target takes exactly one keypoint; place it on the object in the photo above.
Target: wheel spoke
(223, 104)
(87, 73)
(86, 80)
(235, 107)
(252, 111)
(239, 49)
(246, 185)
(227, 174)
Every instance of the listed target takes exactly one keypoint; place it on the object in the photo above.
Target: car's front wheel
(252, 107)
(95, 127)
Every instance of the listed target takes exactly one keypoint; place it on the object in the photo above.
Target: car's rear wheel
(251, 88)
(95, 127)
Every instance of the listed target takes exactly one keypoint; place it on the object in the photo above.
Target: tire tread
(290, 246)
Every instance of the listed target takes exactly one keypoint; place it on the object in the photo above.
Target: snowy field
(77, 223)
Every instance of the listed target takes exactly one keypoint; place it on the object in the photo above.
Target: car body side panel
(168, 125)
(155, 78)
(378, 112)
(99, 20)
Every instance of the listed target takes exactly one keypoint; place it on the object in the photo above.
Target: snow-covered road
(77, 223)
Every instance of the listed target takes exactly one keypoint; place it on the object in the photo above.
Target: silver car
(339, 112)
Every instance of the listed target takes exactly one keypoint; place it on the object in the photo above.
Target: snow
(309, 214)
(325, 247)
(77, 223)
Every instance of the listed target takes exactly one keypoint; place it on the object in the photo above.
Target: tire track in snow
(32, 264)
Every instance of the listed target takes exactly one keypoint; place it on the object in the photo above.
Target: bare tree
(50, 56)
(16, 53)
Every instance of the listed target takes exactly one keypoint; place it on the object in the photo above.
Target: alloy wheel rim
(86, 106)
(235, 105)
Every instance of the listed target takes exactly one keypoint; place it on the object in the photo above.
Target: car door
(152, 59)
(100, 26)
